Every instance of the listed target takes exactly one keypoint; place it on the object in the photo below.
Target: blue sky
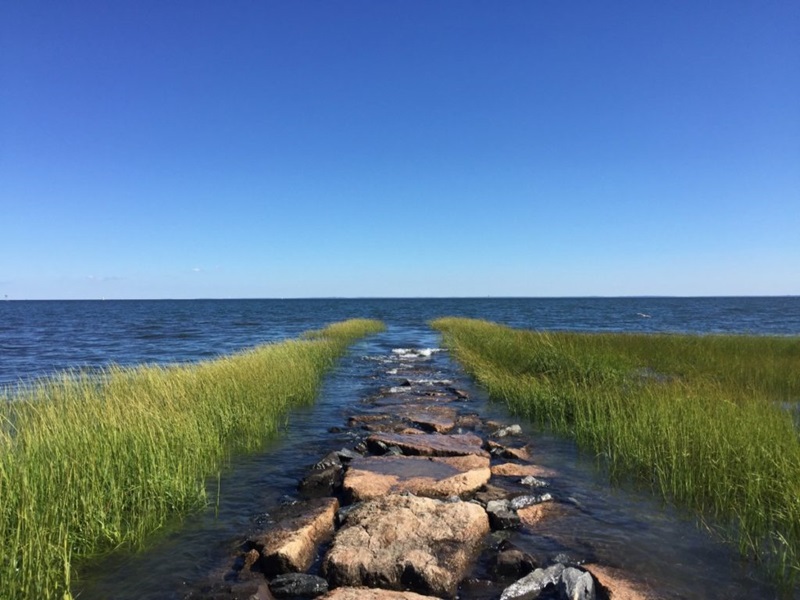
(160, 149)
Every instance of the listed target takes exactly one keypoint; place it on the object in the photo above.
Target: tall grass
(697, 418)
(90, 462)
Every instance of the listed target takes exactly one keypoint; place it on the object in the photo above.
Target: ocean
(39, 338)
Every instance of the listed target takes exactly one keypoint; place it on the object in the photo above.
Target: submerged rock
(298, 585)
(507, 431)
(515, 470)
(361, 593)
(407, 543)
(435, 477)
(618, 585)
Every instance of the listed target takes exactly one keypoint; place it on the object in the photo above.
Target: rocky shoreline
(425, 504)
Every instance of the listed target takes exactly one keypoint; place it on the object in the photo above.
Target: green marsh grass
(701, 420)
(92, 462)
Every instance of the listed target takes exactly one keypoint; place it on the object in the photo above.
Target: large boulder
(291, 545)
(407, 543)
(436, 477)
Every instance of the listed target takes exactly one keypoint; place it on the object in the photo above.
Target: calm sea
(42, 337)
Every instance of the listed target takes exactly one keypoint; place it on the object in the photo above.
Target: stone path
(414, 511)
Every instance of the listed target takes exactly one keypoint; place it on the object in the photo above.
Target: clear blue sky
(164, 149)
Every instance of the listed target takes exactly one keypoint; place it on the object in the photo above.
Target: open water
(41, 337)
(618, 526)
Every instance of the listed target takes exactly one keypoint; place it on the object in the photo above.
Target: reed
(701, 420)
(91, 462)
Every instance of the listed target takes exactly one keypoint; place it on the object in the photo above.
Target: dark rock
(319, 484)
(330, 460)
(298, 585)
(460, 394)
(501, 515)
(490, 492)
(511, 562)
(346, 455)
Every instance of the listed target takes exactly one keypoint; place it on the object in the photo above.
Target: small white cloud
(197, 270)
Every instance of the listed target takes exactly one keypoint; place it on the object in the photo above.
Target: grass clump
(91, 462)
(702, 420)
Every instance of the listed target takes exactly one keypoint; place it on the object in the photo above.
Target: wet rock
(298, 585)
(490, 492)
(361, 593)
(617, 585)
(438, 419)
(320, 483)
(501, 515)
(533, 584)
(431, 444)
(576, 585)
(511, 562)
(534, 482)
(535, 514)
(458, 393)
(435, 477)
(525, 501)
(407, 543)
(517, 453)
(507, 431)
(292, 544)
(346, 455)
(468, 421)
(249, 590)
(329, 460)
(515, 470)
(476, 588)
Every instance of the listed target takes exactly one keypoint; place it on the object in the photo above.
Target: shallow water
(619, 527)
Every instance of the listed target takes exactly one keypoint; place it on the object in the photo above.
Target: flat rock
(435, 477)
(402, 399)
(431, 444)
(291, 545)
(515, 470)
(407, 543)
(362, 593)
(618, 585)
(431, 417)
